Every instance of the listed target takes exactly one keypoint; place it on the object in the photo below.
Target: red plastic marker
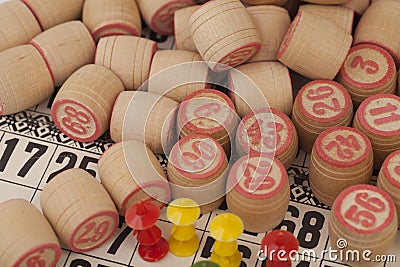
(142, 217)
(279, 246)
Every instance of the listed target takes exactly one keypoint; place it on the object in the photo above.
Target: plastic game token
(142, 215)
(155, 252)
(282, 242)
(205, 264)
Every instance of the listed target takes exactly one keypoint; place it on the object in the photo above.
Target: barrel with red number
(127, 56)
(27, 239)
(379, 118)
(197, 169)
(363, 218)
(267, 131)
(224, 32)
(176, 74)
(107, 18)
(341, 157)
(314, 47)
(368, 70)
(18, 24)
(83, 106)
(253, 85)
(50, 13)
(272, 23)
(379, 26)
(65, 48)
(131, 173)
(154, 120)
(183, 35)
(208, 112)
(25, 80)
(340, 15)
(258, 192)
(159, 14)
(318, 106)
(79, 210)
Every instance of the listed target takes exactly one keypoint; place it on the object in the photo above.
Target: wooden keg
(224, 33)
(183, 35)
(319, 105)
(27, 239)
(208, 112)
(65, 48)
(255, 85)
(159, 14)
(83, 106)
(363, 218)
(197, 169)
(177, 73)
(25, 79)
(328, 2)
(272, 23)
(85, 219)
(359, 6)
(129, 57)
(368, 70)
(340, 15)
(341, 157)
(131, 173)
(258, 192)
(266, 2)
(154, 121)
(50, 13)
(18, 24)
(267, 131)
(107, 18)
(314, 47)
(378, 117)
(379, 26)
(389, 178)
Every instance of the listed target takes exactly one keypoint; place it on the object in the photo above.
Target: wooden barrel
(197, 169)
(379, 26)
(340, 15)
(358, 6)
(18, 24)
(83, 106)
(106, 18)
(341, 157)
(375, 230)
(272, 86)
(183, 35)
(27, 239)
(378, 117)
(131, 173)
(65, 48)
(176, 74)
(258, 192)
(154, 121)
(220, 38)
(25, 79)
(85, 219)
(159, 14)
(208, 112)
(314, 47)
(265, 2)
(328, 2)
(50, 13)
(368, 70)
(319, 105)
(129, 57)
(267, 131)
(272, 23)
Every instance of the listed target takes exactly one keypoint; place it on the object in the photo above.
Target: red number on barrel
(36, 261)
(256, 177)
(93, 232)
(323, 92)
(389, 109)
(74, 126)
(350, 145)
(207, 110)
(202, 152)
(370, 66)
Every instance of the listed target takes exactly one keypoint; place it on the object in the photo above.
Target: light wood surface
(183, 35)
(265, 2)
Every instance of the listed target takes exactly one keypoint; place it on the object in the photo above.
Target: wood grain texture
(107, 18)
(183, 35)
(328, 2)
(359, 6)
(25, 79)
(265, 2)
(26, 235)
(18, 24)
(129, 57)
(85, 219)
(65, 48)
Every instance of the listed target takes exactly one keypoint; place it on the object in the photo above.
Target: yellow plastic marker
(226, 229)
(183, 213)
